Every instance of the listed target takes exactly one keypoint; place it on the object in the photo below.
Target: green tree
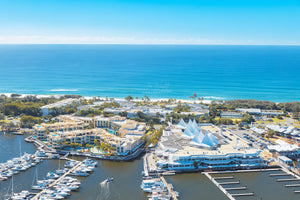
(146, 98)
(128, 98)
(270, 133)
(28, 121)
(247, 118)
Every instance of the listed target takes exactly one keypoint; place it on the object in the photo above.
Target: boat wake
(104, 191)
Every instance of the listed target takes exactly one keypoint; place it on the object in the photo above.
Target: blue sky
(150, 22)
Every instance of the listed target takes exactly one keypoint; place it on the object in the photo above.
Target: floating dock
(292, 185)
(246, 170)
(282, 174)
(287, 179)
(230, 183)
(224, 177)
(243, 194)
(169, 188)
(36, 197)
(219, 186)
(236, 188)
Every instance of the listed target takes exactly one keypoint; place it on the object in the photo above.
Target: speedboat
(41, 154)
(70, 163)
(89, 162)
(80, 173)
(52, 175)
(108, 180)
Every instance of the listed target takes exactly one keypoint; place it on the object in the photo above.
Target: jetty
(36, 197)
(287, 179)
(281, 174)
(230, 183)
(243, 194)
(219, 185)
(292, 185)
(225, 177)
(237, 188)
(169, 188)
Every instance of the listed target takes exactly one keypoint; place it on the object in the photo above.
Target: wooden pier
(170, 190)
(36, 197)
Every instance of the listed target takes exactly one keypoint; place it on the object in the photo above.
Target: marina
(250, 180)
(248, 186)
(18, 165)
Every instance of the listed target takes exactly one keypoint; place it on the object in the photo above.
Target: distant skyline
(218, 22)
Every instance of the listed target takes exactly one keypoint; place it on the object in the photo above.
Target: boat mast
(20, 148)
(12, 186)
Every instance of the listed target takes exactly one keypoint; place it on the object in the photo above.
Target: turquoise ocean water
(159, 71)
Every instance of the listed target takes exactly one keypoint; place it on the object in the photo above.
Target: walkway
(36, 197)
(170, 190)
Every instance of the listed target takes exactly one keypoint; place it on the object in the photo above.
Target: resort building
(46, 110)
(123, 136)
(190, 147)
(285, 149)
(42, 130)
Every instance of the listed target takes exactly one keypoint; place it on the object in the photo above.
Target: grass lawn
(275, 120)
(278, 120)
(234, 120)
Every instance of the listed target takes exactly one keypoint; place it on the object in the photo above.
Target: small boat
(41, 153)
(52, 175)
(108, 180)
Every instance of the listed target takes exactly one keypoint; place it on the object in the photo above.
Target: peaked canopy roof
(182, 123)
(208, 140)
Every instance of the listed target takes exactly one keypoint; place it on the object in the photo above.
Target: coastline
(206, 100)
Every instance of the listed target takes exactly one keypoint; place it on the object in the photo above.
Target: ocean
(158, 71)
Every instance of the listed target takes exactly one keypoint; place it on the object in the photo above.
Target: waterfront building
(120, 145)
(42, 130)
(124, 136)
(204, 148)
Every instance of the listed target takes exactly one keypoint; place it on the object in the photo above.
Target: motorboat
(52, 175)
(108, 180)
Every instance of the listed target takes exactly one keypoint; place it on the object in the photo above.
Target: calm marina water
(127, 175)
(159, 71)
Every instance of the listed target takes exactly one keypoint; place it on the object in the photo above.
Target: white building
(285, 149)
(46, 110)
(197, 148)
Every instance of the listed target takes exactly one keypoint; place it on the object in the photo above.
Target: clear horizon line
(152, 44)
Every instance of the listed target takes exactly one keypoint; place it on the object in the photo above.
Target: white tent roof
(187, 134)
(208, 140)
(197, 140)
(182, 123)
(213, 139)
